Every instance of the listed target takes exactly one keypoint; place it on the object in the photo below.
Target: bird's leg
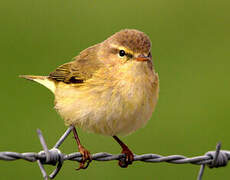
(86, 157)
(128, 154)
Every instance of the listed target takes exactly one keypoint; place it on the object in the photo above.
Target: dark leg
(128, 154)
(86, 157)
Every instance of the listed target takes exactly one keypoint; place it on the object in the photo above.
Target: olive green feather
(79, 70)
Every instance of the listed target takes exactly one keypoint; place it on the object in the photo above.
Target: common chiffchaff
(110, 88)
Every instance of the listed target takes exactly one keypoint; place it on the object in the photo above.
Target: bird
(110, 88)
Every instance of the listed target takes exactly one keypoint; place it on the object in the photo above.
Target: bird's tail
(44, 80)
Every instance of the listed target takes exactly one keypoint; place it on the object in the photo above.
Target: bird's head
(125, 46)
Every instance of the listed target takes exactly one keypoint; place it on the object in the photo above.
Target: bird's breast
(118, 104)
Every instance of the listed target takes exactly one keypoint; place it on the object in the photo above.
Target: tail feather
(44, 80)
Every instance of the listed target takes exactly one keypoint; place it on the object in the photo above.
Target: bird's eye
(122, 53)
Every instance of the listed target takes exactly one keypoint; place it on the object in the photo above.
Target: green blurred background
(190, 45)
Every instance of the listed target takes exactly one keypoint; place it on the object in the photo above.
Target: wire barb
(213, 159)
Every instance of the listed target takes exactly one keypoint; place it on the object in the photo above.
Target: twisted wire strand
(54, 156)
(104, 156)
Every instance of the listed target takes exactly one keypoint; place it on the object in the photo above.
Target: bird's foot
(128, 157)
(86, 158)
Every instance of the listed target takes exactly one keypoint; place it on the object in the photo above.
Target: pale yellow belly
(121, 109)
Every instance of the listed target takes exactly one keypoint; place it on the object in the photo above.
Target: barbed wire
(213, 159)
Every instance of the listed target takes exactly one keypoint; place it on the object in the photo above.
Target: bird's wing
(74, 72)
(81, 69)
(64, 73)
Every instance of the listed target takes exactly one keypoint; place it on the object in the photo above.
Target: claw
(86, 158)
(128, 158)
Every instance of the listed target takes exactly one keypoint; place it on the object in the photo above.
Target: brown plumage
(133, 39)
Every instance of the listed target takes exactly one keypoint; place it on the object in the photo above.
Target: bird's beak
(143, 58)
